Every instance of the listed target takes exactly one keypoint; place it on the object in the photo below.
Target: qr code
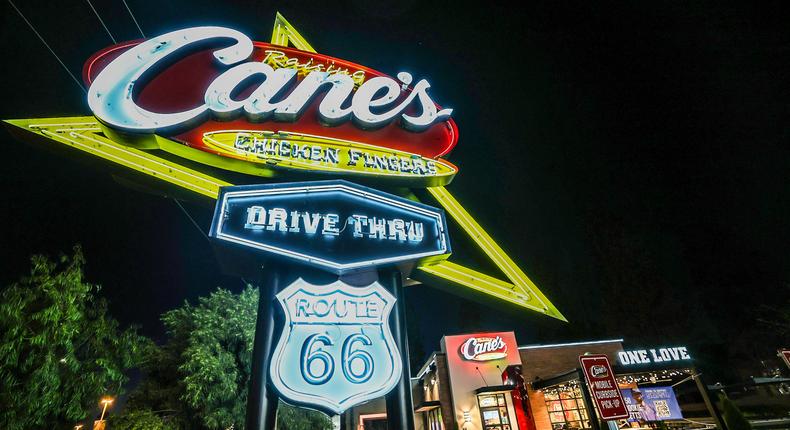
(662, 409)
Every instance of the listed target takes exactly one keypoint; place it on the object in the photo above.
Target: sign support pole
(262, 400)
(588, 402)
(400, 408)
(703, 390)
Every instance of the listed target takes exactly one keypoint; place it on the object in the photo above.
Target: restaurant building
(486, 381)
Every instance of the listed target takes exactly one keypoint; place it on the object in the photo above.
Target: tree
(141, 420)
(59, 350)
(295, 418)
(160, 389)
(199, 377)
(215, 342)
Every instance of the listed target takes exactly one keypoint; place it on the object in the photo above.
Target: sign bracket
(262, 400)
(399, 401)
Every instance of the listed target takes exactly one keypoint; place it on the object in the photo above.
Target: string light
(572, 386)
(652, 377)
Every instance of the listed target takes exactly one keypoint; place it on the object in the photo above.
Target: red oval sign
(182, 85)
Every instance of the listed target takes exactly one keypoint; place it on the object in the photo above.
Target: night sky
(632, 158)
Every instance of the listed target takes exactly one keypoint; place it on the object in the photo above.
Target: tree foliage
(214, 341)
(141, 420)
(294, 418)
(59, 350)
(199, 377)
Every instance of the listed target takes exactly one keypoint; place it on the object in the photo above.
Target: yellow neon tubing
(82, 133)
(522, 291)
(521, 281)
(284, 32)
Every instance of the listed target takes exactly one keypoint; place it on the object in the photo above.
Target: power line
(133, 18)
(47, 45)
(190, 218)
(102, 22)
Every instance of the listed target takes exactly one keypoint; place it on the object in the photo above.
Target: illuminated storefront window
(566, 407)
(493, 411)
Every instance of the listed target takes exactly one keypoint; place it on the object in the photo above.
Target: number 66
(348, 355)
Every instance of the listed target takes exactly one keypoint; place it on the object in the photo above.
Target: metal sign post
(718, 419)
(587, 399)
(400, 405)
(261, 399)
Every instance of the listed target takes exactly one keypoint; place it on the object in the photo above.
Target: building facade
(486, 381)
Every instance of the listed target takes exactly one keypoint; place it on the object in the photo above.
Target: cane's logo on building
(484, 348)
(599, 371)
(259, 108)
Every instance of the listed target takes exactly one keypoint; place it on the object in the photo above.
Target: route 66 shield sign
(336, 349)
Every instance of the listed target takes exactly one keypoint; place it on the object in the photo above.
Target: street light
(107, 401)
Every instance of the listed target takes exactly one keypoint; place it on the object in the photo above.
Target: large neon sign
(337, 350)
(178, 157)
(210, 96)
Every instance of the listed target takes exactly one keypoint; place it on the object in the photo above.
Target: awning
(427, 406)
(495, 389)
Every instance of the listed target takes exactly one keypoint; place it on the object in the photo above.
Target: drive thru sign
(603, 387)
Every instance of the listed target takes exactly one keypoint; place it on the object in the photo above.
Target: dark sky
(632, 158)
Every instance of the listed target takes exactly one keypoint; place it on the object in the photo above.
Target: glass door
(493, 412)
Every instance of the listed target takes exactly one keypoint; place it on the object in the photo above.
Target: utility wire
(245, 284)
(481, 376)
(77, 81)
(190, 218)
(133, 18)
(101, 21)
